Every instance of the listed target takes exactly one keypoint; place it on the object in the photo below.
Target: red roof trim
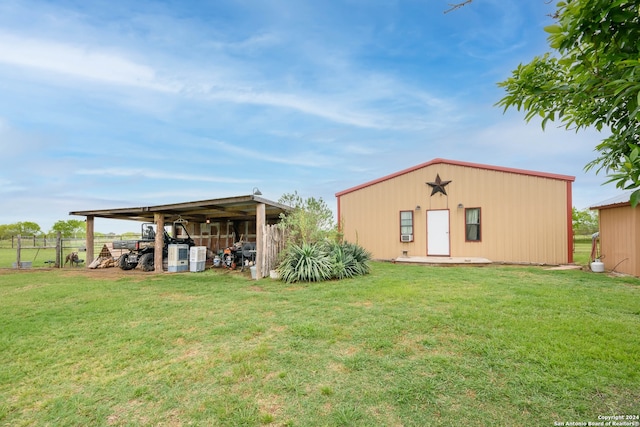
(610, 206)
(459, 163)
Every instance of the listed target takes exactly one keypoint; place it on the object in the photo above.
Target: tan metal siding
(524, 217)
(619, 237)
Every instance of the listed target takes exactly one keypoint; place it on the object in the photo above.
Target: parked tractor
(142, 251)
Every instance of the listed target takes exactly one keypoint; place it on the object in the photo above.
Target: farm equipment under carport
(142, 252)
(241, 253)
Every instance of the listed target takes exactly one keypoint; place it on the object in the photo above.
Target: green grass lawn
(403, 346)
(582, 251)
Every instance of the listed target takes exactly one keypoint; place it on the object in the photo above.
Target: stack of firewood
(103, 262)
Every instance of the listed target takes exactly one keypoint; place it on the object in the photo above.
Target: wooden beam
(260, 223)
(159, 244)
(90, 240)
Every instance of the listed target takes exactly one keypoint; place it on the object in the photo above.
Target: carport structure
(249, 209)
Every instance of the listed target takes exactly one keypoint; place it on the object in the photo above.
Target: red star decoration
(438, 186)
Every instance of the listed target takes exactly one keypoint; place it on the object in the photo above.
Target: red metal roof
(620, 200)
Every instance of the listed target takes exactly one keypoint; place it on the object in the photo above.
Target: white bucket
(254, 274)
(597, 267)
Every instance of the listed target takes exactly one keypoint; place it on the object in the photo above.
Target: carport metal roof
(229, 208)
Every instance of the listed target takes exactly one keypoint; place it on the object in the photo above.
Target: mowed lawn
(403, 346)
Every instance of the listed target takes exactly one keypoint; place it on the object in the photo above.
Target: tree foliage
(593, 81)
(310, 220)
(25, 228)
(584, 222)
(70, 228)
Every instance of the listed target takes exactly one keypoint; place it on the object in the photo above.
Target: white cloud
(8, 186)
(151, 174)
(347, 102)
(78, 61)
(285, 157)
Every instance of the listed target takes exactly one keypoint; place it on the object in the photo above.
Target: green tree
(28, 228)
(25, 228)
(594, 80)
(70, 228)
(310, 220)
(584, 222)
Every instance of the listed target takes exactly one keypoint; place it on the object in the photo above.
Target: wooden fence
(273, 242)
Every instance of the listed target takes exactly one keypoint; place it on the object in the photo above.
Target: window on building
(472, 221)
(406, 226)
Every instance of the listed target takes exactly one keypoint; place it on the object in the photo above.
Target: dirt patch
(100, 273)
(107, 273)
(366, 304)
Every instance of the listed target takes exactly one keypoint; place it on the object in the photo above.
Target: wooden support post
(90, 241)
(59, 250)
(18, 251)
(260, 223)
(157, 259)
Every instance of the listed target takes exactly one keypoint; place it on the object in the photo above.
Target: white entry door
(438, 233)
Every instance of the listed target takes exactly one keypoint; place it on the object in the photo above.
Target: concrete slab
(566, 267)
(442, 260)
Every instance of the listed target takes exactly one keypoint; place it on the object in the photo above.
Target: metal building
(447, 208)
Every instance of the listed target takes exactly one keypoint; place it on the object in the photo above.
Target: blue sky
(108, 104)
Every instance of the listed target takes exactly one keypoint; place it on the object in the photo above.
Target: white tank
(597, 266)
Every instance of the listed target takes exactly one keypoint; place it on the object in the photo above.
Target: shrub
(349, 260)
(313, 250)
(361, 257)
(305, 263)
(323, 261)
(341, 262)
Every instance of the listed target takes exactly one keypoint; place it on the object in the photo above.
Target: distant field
(403, 346)
(582, 251)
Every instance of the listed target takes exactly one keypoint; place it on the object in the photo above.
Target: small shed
(448, 208)
(215, 223)
(619, 234)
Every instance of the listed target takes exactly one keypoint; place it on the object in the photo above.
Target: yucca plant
(342, 261)
(349, 260)
(360, 257)
(338, 261)
(308, 262)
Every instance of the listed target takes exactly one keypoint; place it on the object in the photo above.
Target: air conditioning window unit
(406, 237)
